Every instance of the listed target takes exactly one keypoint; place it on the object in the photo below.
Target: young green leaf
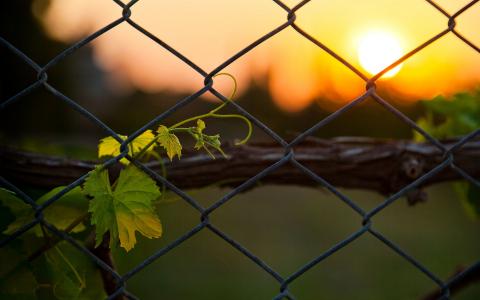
(124, 209)
(453, 117)
(111, 147)
(206, 141)
(169, 142)
(200, 125)
(60, 214)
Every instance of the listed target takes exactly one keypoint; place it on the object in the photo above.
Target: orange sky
(210, 31)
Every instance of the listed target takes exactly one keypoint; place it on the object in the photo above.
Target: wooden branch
(379, 165)
(470, 277)
(384, 166)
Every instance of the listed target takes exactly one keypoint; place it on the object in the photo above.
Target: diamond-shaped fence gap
(299, 230)
(290, 112)
(441, 221)
(294, 99)
(386, 272)
(197, 167)
(305, 77)
(214, 270)
(203, 44)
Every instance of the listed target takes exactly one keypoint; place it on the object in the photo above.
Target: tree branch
(379, 165)
(384, 166)
(457, 283)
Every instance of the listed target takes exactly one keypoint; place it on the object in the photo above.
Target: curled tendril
(213, 113)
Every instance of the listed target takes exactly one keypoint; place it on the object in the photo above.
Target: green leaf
(60, 214)
(10, 200)
(456, 116)
(17, 281)
(206, 141)
(69, 274)
(111, 147)
(124, 209)
(470, 197)
(169, 142)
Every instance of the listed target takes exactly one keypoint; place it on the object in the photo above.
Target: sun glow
(377, 50)
(368, 34)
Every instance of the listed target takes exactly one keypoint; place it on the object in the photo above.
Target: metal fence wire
(366, 226)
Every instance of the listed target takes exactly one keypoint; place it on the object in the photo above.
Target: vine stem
(213, 111)
(211, 114)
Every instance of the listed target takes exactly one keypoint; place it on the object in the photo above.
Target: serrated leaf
(456, 116)
(452, 117)
(206, 141)
(60, 214)
(10, 200)
(125, 209)
(214, 142)
(169, 142)
(16, 279)
(70, 274)
(111, 147)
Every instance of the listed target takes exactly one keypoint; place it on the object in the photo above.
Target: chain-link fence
(366, 226)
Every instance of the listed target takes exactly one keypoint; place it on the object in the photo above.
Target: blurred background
(289, 84)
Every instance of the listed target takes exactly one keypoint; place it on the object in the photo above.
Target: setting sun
(377, 50)
(369, 35)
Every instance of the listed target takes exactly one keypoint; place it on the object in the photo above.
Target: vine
(117, 209)
(454, 117)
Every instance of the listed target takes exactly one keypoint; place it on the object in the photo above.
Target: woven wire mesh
(366, 226)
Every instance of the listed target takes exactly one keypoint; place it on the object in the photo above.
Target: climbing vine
(454, 117)
(102, 208)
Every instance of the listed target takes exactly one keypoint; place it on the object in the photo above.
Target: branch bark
(384, 166)
(379, 165)
(469, 277)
